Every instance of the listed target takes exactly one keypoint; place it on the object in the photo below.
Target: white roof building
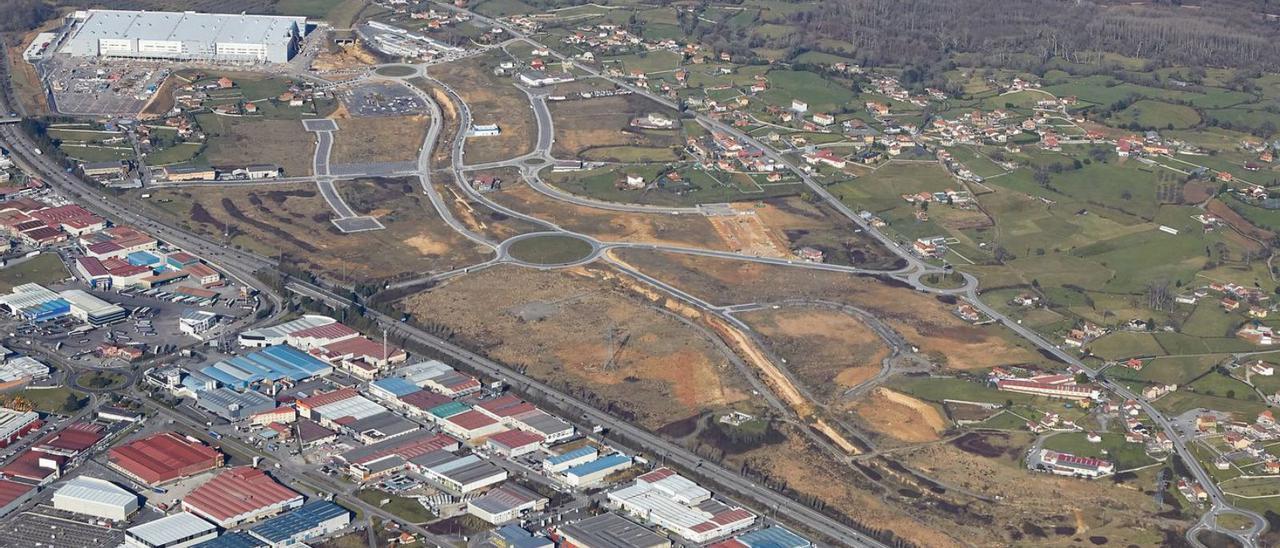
(95, 497)
(176, 531)
(23, 369)
(185, 35)
(278, 334)
(675, 503)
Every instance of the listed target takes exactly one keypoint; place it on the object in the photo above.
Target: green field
(45, 268)
(50, 400)
(550, 249)
(1113, 447)
(823, 95)
(405, 508)
(1159, 115)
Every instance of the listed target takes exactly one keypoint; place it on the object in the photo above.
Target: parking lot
(382, 99)
(102, 86)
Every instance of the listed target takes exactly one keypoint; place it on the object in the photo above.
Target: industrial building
(279, 334)
(92, 310)
(35, 303)
(513, 536)
(269, 364)
(232, 405)
(344, 404)
(21, 370)
(364, 462)
(506, 503)
(459, 474)
(594, 472)
(214, 37)
(240, 495)
(769, 537)
(610, 531)
(514, 443)
(13, 494)
(569, 459)
(95, 497)
(313, 520)
(550, 427)
(439, 377)
(674, 503)
(176, 531)
(379, 427)
(470, 424)
(163, 458)
(15, 424)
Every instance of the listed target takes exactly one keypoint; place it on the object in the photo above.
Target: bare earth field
(900, 416)
(924, 320)
(1036, 509)
(493, 100)
(577, 329)
(585, 124)
(241, 141)
(828, 351)
(683, 230)
(294, 220)
(381, 139)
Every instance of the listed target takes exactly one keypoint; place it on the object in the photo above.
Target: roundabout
(396, 71)
(549, 249)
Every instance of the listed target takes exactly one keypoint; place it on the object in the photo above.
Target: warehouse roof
(236, 492)
(234, 539)
(382, 425)
(287, 328)
(13, 490)
(597, 465)
(583, 451)
(407, 446)
(171, 528)
(309, 516)
(195, 30)
(515, 438)
(396, 386)
(505, 498)
(162, 456)
(769, 537)
(96, 490)
(612, 530)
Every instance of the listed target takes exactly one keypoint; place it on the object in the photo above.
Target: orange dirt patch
(900, 416)
(578, 329)
(827, 350)
(1196, 192)
(746, 233)
(1222, 211)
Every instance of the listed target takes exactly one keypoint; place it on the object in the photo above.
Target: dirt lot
(900, 416)
(242, 141)
(576, 329)
(828, 351)
(747, 233)
(585, 124)
(815, 225)
(923, 319)
(294, 219)
(1035, 509)
(686, 230)
(382, 139)
(493, 100)
(343, 58)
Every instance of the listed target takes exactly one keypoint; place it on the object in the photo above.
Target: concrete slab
(357, 224)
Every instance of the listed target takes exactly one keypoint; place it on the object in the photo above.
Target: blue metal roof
(142, 258)
(576, 453)
(235, 539)
(517, 537)
(773, 537)
(272, 363)
(396, 385)
(597, 465)
(306, 518)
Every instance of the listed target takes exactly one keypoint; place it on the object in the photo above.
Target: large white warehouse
(95, 497)
(234, 38)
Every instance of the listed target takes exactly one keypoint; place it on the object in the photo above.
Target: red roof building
(163, 458)
(13, 494)
(514, 443)
(71, 441)
(424, 400)
(505, 406)
(240, 495)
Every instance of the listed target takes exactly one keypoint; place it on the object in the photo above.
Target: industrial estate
(761, 273)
